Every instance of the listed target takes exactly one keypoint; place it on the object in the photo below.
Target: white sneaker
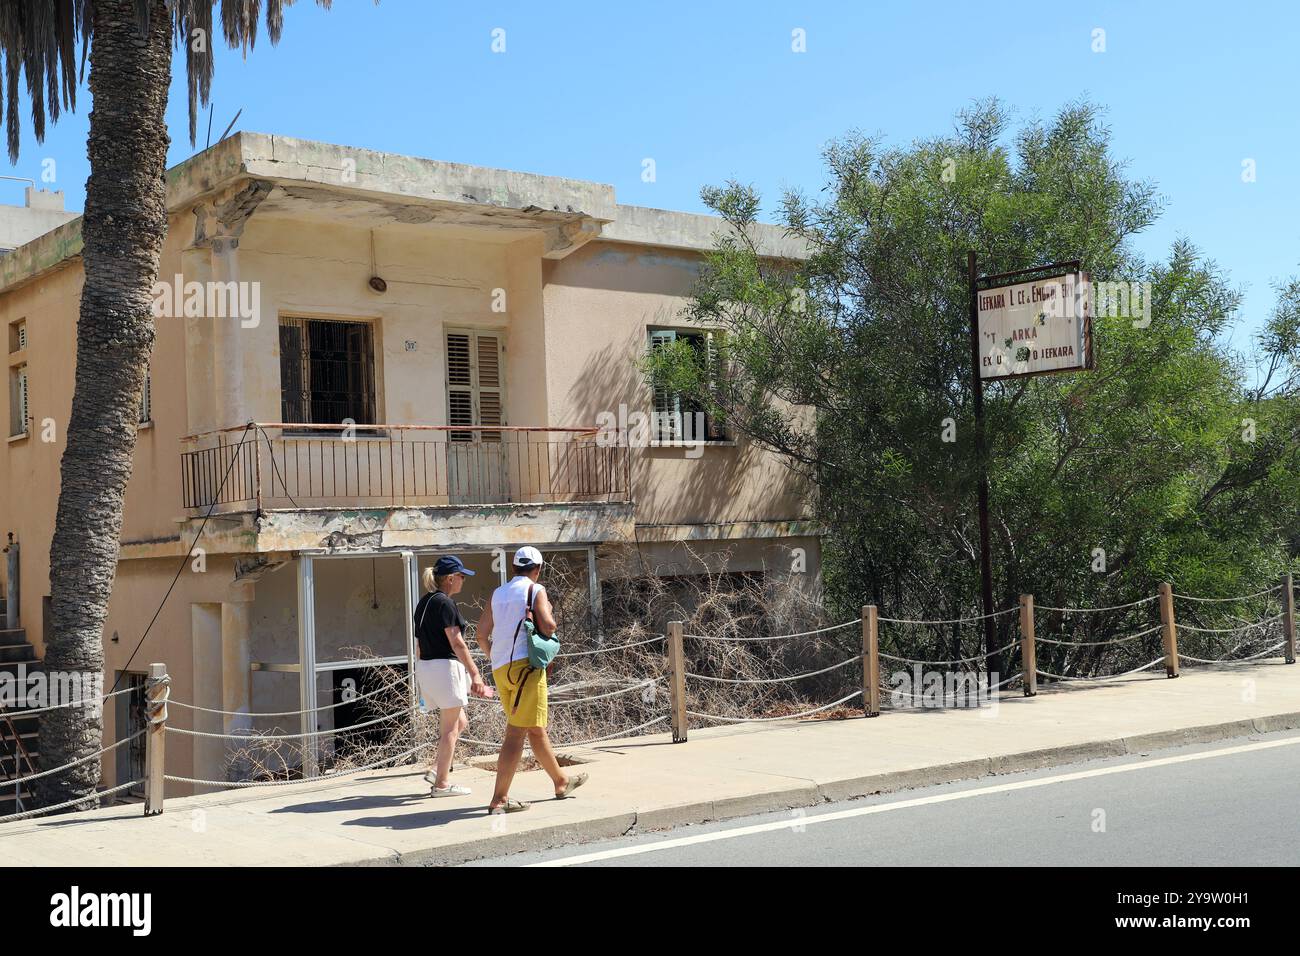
(430, 779)
(452, 790)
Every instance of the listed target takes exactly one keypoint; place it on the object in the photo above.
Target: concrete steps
(17, 658)
(18, 654)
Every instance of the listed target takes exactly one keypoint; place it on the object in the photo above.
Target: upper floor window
(18, 335)
(475, 384)
(679, 417)
(146, 402)
(18, 410)
(327, 371)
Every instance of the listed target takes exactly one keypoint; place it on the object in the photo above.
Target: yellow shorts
(530, 709)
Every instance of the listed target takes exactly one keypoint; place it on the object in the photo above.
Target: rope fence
(40, 811)
(71, 703)
(956, 660)
(1070, 646)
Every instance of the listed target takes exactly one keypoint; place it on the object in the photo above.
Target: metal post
(1028, 652)
(13, 589)
(593, 588)
(1288, 617)
(257, 465)
(1169, 631)
(157, 690)
(410, 592)
(870, 661)
(977, 397)
(677, 681)
(307, 661)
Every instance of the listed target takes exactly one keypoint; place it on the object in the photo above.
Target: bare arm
(542, 615)
(458, 647)
(484, 632)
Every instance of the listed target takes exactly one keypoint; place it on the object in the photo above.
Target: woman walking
(503, 637)
(445, 672)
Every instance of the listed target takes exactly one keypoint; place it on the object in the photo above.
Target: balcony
(275, 466)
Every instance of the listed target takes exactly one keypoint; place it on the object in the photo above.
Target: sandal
(510, 806)
(572, 784)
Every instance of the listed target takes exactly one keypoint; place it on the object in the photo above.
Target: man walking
(522, 688)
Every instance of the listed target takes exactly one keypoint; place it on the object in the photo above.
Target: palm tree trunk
(123, 230)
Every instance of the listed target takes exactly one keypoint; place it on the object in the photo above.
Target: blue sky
(712, 91)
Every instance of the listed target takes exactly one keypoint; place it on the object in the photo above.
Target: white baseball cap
(528, 557)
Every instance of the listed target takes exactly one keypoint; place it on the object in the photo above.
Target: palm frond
(38, 44)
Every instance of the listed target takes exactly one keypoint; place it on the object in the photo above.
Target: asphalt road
(1231, 803)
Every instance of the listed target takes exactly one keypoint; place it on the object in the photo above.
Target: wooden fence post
(1169, 630)
(1288, 617)
(677, 681)
(157, 690)
(870, 661)
(1028, 651)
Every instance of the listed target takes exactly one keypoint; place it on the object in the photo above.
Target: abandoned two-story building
(426, 350)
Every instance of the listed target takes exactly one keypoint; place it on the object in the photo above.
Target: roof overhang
(284, 177)
(368, 189)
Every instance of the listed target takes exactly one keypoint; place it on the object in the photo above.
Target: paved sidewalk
(649, 783)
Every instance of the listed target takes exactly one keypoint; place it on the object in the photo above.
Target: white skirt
(443, 683)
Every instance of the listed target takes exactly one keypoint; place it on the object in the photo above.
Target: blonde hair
(433, 582)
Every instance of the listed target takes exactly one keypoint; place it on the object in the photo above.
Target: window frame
(370, 363)
(146, 401)
(475, 388)
(724, 437)
(20, 407)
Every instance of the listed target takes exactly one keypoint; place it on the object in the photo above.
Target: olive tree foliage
(1174, 459)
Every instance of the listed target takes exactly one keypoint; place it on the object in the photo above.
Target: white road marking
(811, 819)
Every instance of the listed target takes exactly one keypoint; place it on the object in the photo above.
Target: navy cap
(450, 564)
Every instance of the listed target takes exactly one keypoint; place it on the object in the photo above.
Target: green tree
(130, 46)
(854, 364)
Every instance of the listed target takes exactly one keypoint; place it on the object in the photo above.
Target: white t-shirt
(509, 602)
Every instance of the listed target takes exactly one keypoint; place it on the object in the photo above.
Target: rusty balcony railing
(285, 465)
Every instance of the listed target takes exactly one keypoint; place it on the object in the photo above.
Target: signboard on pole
(1036, 327)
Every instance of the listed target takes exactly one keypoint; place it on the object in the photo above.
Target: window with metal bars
(327, 371)
(146, 402)
(19, 412)
(475, 383)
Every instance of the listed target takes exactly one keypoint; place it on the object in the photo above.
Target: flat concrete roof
(365, 185)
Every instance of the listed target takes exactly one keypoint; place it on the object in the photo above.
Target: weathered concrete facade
(550, 276)
(41, 211)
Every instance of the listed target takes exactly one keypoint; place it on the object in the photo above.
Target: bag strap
(424, 609)
(519, 690)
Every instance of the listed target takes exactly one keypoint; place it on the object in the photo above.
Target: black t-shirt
(433, 615)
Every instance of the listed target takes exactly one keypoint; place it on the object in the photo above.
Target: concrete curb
(812, 794)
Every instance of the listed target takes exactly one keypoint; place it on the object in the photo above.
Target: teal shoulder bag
(541, 649)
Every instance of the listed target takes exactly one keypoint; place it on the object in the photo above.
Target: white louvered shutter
(667, 403)
(18, 408)
(460, 384)
(715, 429)
(475, 383)
(146, 402)
(491, 407)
